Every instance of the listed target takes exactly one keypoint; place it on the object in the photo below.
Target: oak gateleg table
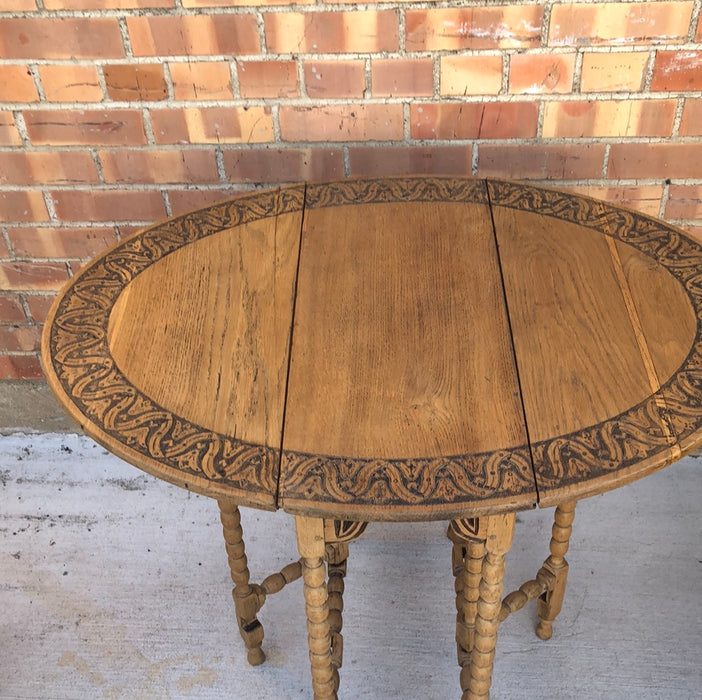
(412, 348)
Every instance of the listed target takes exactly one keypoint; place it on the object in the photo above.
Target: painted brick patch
(481, 27)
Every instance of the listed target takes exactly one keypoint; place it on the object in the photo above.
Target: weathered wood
(604, 368)
(311, 544)
(401, 360)
(171, 349)
(246, 602)
(476, 677)
(467, 557)
(550, 603)
(391, 349)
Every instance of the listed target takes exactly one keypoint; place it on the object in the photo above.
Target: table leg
(550, 602)
(476, 679)
(246, 600)
(468, 554)
(311, 544)
(337, 554)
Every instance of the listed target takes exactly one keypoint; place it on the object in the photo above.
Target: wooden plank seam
(644, 351)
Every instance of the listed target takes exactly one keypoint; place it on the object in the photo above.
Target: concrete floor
(114, 584)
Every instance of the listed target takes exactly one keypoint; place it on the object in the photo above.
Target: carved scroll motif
(89, 376)
(409, 482)
(386, 190)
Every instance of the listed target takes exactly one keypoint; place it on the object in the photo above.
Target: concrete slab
(114, 584)
(28, 406)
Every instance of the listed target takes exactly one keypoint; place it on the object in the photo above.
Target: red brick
(691, 123)
(108, 205)
(67, 83)
(183, 201)
(60, 37)
(22, 338)
(135, 82)
(366, 122)
(41, 168)
(18, 5)
(125, 229)
(402, 77)
(20, 367)
(9, 136)
(329, 79)
(105, 4)
(541, 73)
(39, 306)
(332, 32)
(213, 125)
(541, 162)
(268, 79)
(684, 202)
(11, 309)
(4, 250)
(113, 127)
(193, 35)
(655, 160)
(17, 85)
(587, 24)
(84, 242)
(201, 80)
(643, 198)
(473, 120)
(677, 70)
(471, 75)
(283, 164)
(453, 29)
(22, 206)
(617, 71)
(584, 118)
(401, 160)
(19, 276)
(182, 165)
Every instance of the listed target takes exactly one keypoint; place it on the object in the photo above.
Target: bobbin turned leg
(468, 554)
(246, 601)
(337, 554)
(493, 536)
(310, 542)
(551, 601)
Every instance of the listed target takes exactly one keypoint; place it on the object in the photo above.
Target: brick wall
(115, 113)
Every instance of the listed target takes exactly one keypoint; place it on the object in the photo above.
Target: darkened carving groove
(439, 481)
(89, 376)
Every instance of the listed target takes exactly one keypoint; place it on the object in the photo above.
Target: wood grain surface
(401, 351)
(88, 381)
(578, 356)
(221, 360)
(459, 347)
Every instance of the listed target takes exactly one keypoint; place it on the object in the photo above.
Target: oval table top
(389, 349)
